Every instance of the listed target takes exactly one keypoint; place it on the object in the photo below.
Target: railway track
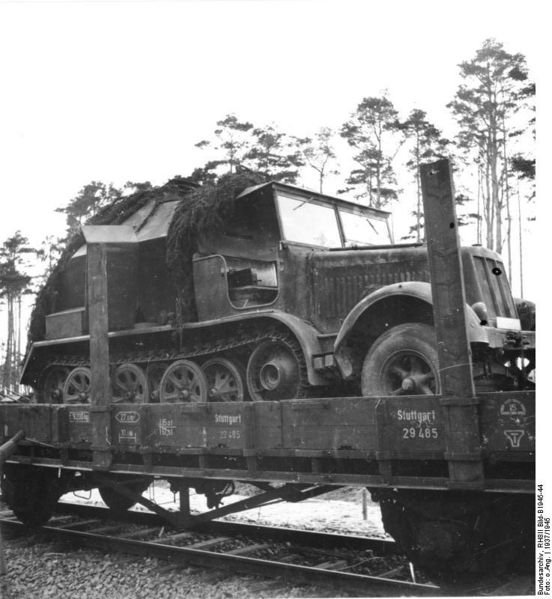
(360, 565)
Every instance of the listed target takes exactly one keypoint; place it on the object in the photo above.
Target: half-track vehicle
(298, 294)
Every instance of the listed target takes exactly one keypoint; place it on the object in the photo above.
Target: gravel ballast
(40, 569)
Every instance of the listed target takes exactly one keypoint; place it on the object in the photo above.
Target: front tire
(403, 361)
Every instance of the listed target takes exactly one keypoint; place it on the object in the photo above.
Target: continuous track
(359, 564)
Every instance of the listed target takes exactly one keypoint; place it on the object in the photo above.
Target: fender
(417, 290)
(306, 335)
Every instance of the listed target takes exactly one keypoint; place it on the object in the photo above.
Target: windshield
(306, 222)
(363, 230)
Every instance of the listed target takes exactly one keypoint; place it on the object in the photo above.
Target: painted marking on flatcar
(229, 434)
(166, 427)
(126, 434)
(423, 432)
(417, 416)
(514, 437)
(513, 408)
(81, 416)
(229, 419)
(127, 417)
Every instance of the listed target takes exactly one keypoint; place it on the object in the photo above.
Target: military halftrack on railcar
(292, 294)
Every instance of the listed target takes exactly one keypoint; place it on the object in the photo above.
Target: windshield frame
(337, 205)
(370, 216)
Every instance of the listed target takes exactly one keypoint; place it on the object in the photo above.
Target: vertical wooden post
(449, 303)
(100, 391)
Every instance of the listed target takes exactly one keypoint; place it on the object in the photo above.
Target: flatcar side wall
(390, 441)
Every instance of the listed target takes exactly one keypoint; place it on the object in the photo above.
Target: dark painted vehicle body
(335, 294)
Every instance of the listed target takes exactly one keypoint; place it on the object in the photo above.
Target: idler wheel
(224, 380)
(274, 372)
(183, 381)
(77, 386)
(129, 384)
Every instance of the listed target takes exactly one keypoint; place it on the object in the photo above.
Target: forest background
(348, 98)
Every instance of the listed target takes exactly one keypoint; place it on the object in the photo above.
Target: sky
(119, 91)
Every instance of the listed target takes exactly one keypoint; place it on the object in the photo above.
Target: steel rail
(362, 583)
(381, 546)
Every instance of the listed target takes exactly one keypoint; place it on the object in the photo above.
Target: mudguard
(306, 335)
(415, 289)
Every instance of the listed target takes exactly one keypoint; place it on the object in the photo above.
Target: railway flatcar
(260, 332)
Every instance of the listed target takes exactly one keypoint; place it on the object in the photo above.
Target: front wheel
(403, 361)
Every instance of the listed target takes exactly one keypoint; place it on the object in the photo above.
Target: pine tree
(273, 153)
(488, 107)
(427, 144)
(13, 284)
(372, 133)
(87, 202)
(233, 141)
(319, 154)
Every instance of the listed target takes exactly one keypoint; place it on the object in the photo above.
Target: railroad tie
(176, 537)
(339, 564)
(103, 530)
(208, 543)
(79, 524)
(248, 549)
(137, 534)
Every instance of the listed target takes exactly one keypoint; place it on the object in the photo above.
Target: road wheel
(77, 386)
(183, 381)
(403, 361)
(224, 380)
(129, 384)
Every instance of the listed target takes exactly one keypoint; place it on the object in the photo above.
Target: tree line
(493, 109)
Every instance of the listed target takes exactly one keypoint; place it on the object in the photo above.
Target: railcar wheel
(31, 493)
(129, 384)
(183, 381)
(458, 536)
(403, 361)
(276, 371)
(120, 503)
(52, 384)
(77, 386)
(154, 374)
(224, 380)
